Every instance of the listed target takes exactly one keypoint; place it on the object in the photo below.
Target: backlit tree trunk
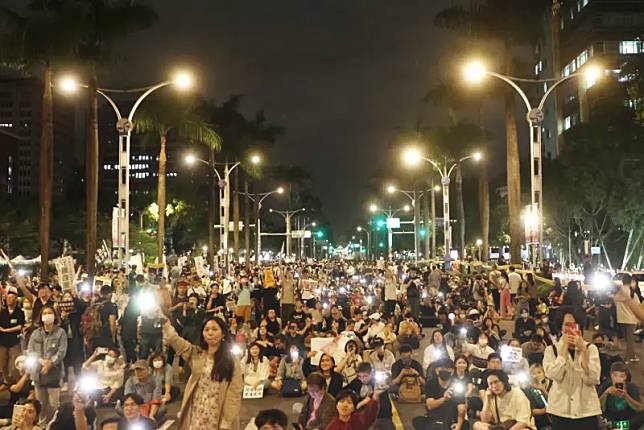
(212, 184)
(236, 217)
(46, 171)
(460, 210)
(484, 197)
(513, 166)
(246, 223)
(91, 176)
(161, 198)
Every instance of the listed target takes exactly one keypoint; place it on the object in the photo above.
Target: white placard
(200, 266)
(326, 345)
(66, 273)
(253, 393)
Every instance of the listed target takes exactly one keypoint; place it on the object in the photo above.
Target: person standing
(494, 278)
(48, 346)
(212, 398)
(627, 319)
(574, 368)
(12, 320)
(243, 292)
(514, 281)
(287, 298)
(391, 293)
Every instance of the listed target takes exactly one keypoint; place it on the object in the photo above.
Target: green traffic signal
(319, 234)
(381, 245)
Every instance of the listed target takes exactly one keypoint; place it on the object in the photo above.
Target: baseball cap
(140, 364)
(12, 290)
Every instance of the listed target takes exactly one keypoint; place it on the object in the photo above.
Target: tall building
(20, 116)
(9, 145)
(582, 32)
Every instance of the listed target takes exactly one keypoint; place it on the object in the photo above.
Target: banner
(116, 242)
(200, 265)
(269, 278)
(66, 272)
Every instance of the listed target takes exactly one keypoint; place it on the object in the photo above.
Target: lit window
(630, 47)
(567, 122)
(590, 80)
(582, 59)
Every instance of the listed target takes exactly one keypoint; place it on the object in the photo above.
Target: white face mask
(48, 319)
(157, 364)
(109, 359)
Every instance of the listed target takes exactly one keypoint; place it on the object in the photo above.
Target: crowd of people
(341, 338)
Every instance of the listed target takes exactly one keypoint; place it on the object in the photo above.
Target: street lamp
(412, 156)
(224, 195)
(124, 126)
(287, 215)
(313, 224)
(390, 213)
(359, 229)
(475, 72)
(258, 199)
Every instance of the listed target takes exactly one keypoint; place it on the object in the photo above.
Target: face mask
(444, 374)
(109, 359)
(157, 364)
(48, 319)
(524, 316)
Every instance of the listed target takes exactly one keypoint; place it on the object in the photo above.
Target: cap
(377, 342)
(12, 290)
(473, 312)
(140, 364)
(375, 316)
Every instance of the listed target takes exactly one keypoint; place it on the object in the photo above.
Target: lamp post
(359, 229)
(124, 128)
(475, 72)
(302, 253)
(412, 157)
(258, 198)
(287, 215)
(224, 197)
(390, 213)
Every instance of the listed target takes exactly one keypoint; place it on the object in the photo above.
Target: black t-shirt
(617, 408)
(273, 327)
(10, 320)
(107, 308)
(448, 411)
(298, 317)
(398, 366)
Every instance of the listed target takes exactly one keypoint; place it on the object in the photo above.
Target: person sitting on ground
(380, 358)
(290, 369)
(364, 386)
(620, 399)
(319, 407)
(349, 417)
(445, 401)
(478, 352)
(28, 419)
(164, 375)
(348, 365)
(133, 416)
(409, 332)
(255, 368)
(494, 361)
(437, 350)
(504, 405)
(143, 384)
(405, 367)
(268, 419)
(110, 372)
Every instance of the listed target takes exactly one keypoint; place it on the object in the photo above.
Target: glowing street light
(406, 208)
(475, 71)
(124, 126)
(373, 207)
(391, 189)
(190, 159)
(183, 80)
(412, 156)
(255, 159)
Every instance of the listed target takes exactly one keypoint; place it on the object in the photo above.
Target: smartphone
(102, 350)
(572, 329)
(619, 385)
(381, 379)
(18, 414)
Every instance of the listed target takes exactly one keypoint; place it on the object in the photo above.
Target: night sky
(339, 75)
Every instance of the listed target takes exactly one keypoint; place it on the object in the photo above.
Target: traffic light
(381, 245)
(423, 232)
(319, 234)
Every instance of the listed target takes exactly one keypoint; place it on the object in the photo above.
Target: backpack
(291, 388)
(91, 324)
(410, 391)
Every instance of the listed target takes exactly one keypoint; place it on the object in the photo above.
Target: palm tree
(510, 23)
(46, 34)
(160, 116)
(104, 22)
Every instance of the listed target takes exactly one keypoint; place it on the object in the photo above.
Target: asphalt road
(406, 412)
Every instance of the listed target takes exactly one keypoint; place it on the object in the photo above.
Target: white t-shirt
(515, 282)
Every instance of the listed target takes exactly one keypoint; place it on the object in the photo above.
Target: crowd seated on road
(342, 339)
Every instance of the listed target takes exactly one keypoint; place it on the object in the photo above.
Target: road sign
(393, 223)
(595, 250)
(299, 234)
